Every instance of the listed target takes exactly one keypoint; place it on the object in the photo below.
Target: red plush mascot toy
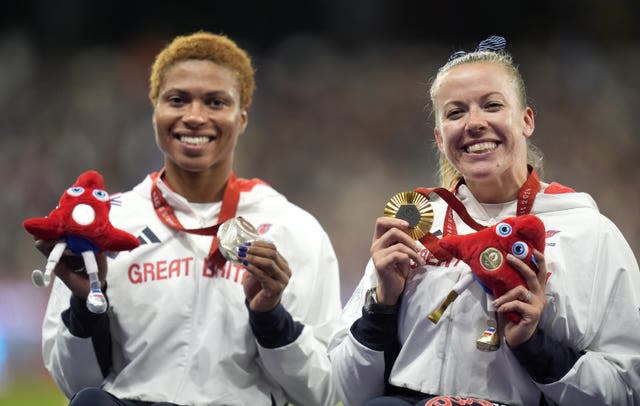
(81, 223)
(485, 251)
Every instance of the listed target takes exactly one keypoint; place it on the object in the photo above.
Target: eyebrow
(483, 97)
(486, 96)
(212, 93)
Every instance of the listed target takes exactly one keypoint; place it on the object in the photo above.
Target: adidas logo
(146, 236)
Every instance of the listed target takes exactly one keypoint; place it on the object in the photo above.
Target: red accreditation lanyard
(526, 197)
(165, 213)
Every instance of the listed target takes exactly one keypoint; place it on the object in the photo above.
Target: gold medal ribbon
(526, 196)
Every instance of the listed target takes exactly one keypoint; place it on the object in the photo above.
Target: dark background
(61, 27)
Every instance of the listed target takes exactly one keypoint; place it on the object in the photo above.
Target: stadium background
(339, 122)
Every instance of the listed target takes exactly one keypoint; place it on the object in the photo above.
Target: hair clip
(493, 44)
(456, 55)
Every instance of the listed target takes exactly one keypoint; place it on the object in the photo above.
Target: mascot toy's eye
(520, 249)
(503, 230)
(75, 191)
(101, 195)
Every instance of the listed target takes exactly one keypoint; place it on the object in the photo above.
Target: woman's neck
(197, 187)
(500, 190)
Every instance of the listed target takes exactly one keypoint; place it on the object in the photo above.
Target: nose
(195, 115)
(476, 124)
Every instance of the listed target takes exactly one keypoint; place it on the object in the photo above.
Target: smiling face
(197, 117)
(482, 128)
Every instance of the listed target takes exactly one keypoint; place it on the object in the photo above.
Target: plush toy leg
(462, 284)
(490, 338)
(96, 302)
(41, 279)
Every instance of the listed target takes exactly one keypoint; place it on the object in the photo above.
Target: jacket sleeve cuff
(377, 331)
(81, 322)
(275, 328)
(545, 359)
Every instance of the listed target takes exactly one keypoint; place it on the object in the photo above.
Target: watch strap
(371, 304)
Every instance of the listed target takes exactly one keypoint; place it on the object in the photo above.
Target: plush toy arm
(42, 280)
(43, 228)
(118, 240)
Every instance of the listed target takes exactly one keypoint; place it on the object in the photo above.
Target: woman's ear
(244, 120)
(529, 122)
(438, 137)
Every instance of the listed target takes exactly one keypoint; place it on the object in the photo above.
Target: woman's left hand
(268, 274)
(528, 302)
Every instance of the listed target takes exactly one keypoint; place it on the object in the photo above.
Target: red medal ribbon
(165, 213)
(526, 197)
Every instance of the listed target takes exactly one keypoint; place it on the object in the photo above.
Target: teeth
(482, 147)
(194, 140)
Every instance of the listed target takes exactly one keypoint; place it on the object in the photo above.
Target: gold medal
(415, 209)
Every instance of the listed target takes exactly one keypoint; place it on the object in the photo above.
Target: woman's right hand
(392, 251)
(68, 266)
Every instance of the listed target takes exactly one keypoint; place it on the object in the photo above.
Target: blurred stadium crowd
(336, 130)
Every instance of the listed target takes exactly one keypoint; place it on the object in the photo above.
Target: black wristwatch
(371, 304)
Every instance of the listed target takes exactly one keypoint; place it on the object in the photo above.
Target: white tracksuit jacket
(593, 305)
(181, 334)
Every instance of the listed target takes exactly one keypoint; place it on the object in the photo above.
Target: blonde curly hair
(204, 45)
